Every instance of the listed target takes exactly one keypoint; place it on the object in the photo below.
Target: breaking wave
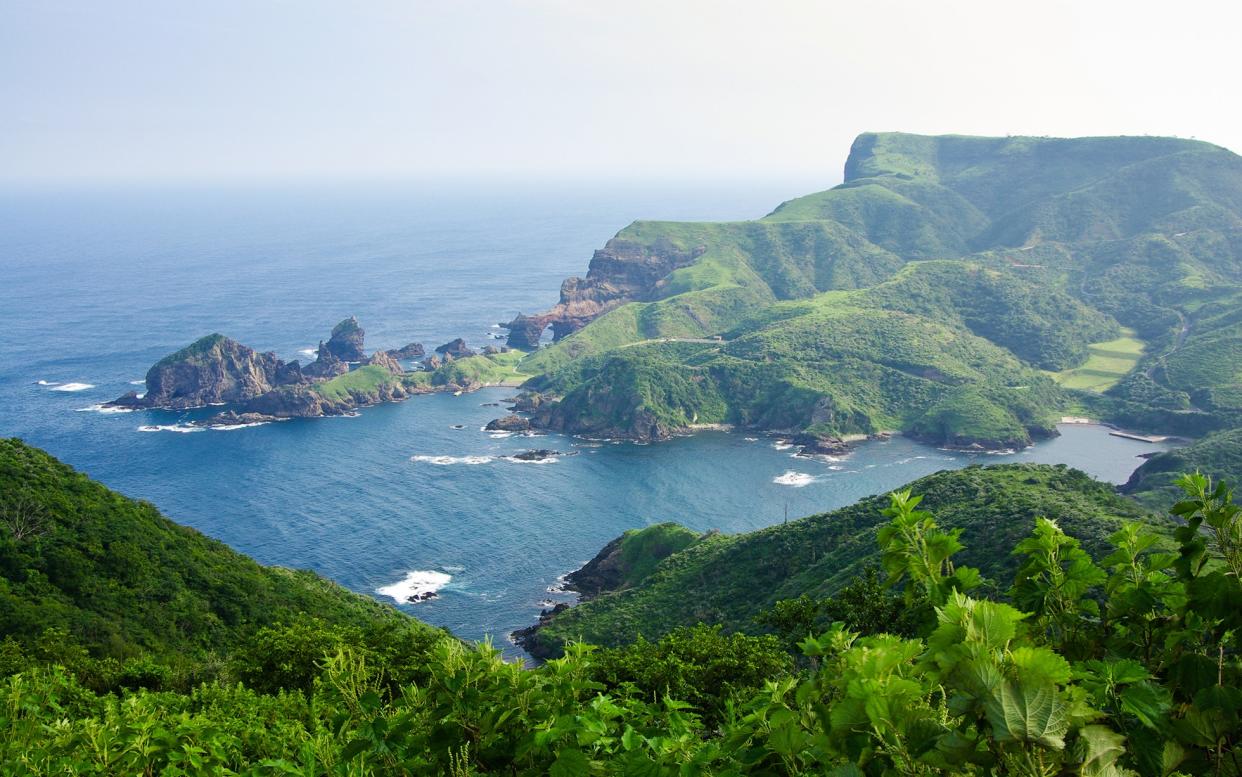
(795, 479)
(418, 585)
(444, 461)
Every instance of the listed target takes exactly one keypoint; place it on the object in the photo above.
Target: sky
(248, 90)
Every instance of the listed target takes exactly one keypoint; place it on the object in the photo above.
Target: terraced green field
(1108, 363)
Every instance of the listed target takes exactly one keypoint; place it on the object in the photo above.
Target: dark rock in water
(384, 359)
(815, 445)
(422, 596)
(230, 418)
(211, 370)
(455, 348)
(490, 350)
(346, 341)
(509, 423)
(539, 454)
(489, 404)
(410, 351)
(459, 426)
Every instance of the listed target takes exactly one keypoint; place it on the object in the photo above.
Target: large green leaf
(1023, 714)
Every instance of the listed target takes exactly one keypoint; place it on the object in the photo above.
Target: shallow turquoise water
(99, 285)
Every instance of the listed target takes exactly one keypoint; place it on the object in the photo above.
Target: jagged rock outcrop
(432, 362)
(527, 401)
(408, 351)
(326, 365)
(384, 359)
(622, 271)
(212, 370)
(509, 423)
(457, 349)
(346, 341)
(290, 373)
(525, 332)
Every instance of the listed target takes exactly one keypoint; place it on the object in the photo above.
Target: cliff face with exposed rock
(212, 370)
(346, 341)
(620, 272)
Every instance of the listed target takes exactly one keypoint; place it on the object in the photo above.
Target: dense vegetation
(732, 579)
(113, 588)
(1218, 455)
(1003, 257)
(1122, 664)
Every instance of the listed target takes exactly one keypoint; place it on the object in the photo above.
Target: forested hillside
(1050, 660)
(966, 290)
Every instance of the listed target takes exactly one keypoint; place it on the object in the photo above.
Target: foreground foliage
(1125, 666)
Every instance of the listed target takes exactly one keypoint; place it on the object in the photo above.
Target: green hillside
(1218, 455)
(121, 582)
(1042, 249)
(1123, 668)
(730, 579)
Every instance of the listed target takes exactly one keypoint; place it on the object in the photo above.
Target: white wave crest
(137, 383)
(46, 383)
(179, 428)
(73, 387)
(548, 460)
(234, 427)
(782, 446)
(309, 352)
(417, 585)
(105, 409)
(444, 461)
(795, 479)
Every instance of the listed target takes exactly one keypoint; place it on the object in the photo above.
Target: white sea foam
(548, 460)
(444, 461)
(751, 439)
(46, 383)
(417, 583)
(73, 387)
(179, 428)
(795, 479)
(309, 352)
(782, 446)
(105, 409)
(499, 435)
(137, 383)
(451, 568)
(233, 427)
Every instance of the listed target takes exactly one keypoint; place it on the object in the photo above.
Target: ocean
(97, 284)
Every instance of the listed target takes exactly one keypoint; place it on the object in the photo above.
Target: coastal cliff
(620, 272)
(210, 371)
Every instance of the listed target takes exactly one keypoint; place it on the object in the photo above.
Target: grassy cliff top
(200, 347)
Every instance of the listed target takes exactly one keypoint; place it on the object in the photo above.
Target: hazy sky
(261, 89)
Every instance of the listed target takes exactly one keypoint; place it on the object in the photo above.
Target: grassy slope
(730, 579)
(1061, 237)
(1107, 363)
(500, 369)
(121, 578)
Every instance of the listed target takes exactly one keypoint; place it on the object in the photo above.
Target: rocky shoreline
(260, 388)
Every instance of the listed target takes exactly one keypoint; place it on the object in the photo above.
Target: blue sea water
(95, 285)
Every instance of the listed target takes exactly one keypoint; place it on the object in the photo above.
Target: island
(259, 387)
